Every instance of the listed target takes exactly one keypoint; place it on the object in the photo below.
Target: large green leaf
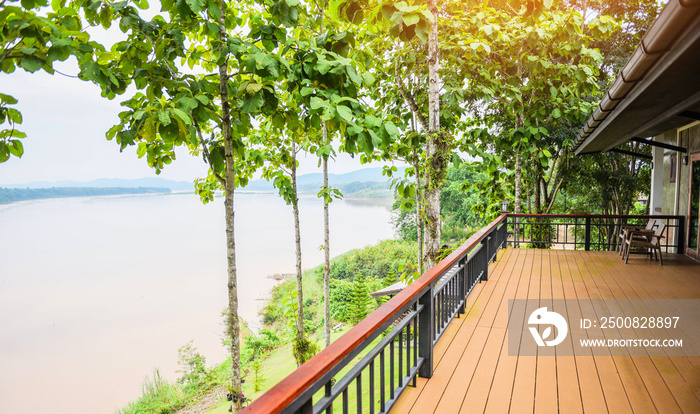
(196, 5)
(344, 112)
(16, 148)
(31, 63)
(252, 103)
(317, 103)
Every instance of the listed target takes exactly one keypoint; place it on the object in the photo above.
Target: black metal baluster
(415, 347)
(391, 370)
(345, 401)
(408, 348)
(358, 381)
(328, 387)
(401, 358)
(382, 380)
(371, 387)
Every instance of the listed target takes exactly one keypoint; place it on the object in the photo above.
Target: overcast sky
(66, 119)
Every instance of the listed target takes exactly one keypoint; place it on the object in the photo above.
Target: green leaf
(252, 103)
(391, 129)
(203, 99)
(164, 118)
(16, 149)
(344, 113)
(7, 99)
(214, 11)
(368, 79)
(188, 102)
(253, 87)
(317, 103)
(14, 115)
(556, 113)
(31, 63)
(196, 5)
(4, 152)
(411, 19)
(182, 115)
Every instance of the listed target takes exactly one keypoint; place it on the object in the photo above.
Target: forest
(480, 98)
(9, 195)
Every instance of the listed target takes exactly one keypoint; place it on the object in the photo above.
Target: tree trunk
(518, 195)
(229, 187)
(436, 163)
(419, 215)
(536, 184)
(326, 249)
(297, 241)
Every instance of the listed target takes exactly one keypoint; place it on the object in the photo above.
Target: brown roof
(659, 87)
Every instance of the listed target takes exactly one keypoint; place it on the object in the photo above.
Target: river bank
(266, 356)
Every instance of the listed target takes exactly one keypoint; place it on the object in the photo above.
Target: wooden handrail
(287, 390)
(657, 216)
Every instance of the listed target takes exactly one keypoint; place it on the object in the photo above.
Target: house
(655, 100)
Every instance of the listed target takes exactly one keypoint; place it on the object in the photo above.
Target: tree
(359, 299)
(406, 22)
(532, 69)
(208, 112)
(33, 42)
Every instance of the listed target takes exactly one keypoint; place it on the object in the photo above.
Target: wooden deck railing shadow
(410, 323)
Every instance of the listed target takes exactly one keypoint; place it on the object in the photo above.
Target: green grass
(280, 363)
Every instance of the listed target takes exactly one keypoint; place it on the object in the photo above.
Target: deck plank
(474, 372)
(501, 390)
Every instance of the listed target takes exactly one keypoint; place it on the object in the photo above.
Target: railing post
(426, 333)
(587, 243)
(485, 251)
(680, 243)
(462, 264)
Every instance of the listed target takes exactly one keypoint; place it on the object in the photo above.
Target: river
(96, 292)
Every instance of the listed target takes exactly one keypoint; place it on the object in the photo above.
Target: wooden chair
(625, 230)
(650, 241)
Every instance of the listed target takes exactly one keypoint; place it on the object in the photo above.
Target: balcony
(440, 345)
(473, 371)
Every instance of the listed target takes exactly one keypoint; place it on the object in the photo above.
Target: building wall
(669, 188)
(683, 137)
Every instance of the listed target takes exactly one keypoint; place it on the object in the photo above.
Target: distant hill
(110, 183)
(306, 182)
(312, 182)
(10, 195)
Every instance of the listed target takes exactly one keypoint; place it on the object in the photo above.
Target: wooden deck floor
(473, 372)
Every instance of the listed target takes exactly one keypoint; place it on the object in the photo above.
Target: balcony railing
(394, 343)
(380, 356)
(588, 231)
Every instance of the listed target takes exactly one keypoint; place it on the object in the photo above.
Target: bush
(374, 262)
(303, 350)
(192, 366)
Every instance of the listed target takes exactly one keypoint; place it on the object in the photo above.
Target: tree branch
(409, 98)
(207, 154)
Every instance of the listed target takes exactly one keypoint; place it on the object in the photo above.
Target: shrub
(192, 366)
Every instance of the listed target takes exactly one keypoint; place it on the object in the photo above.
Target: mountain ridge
(306, 182)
